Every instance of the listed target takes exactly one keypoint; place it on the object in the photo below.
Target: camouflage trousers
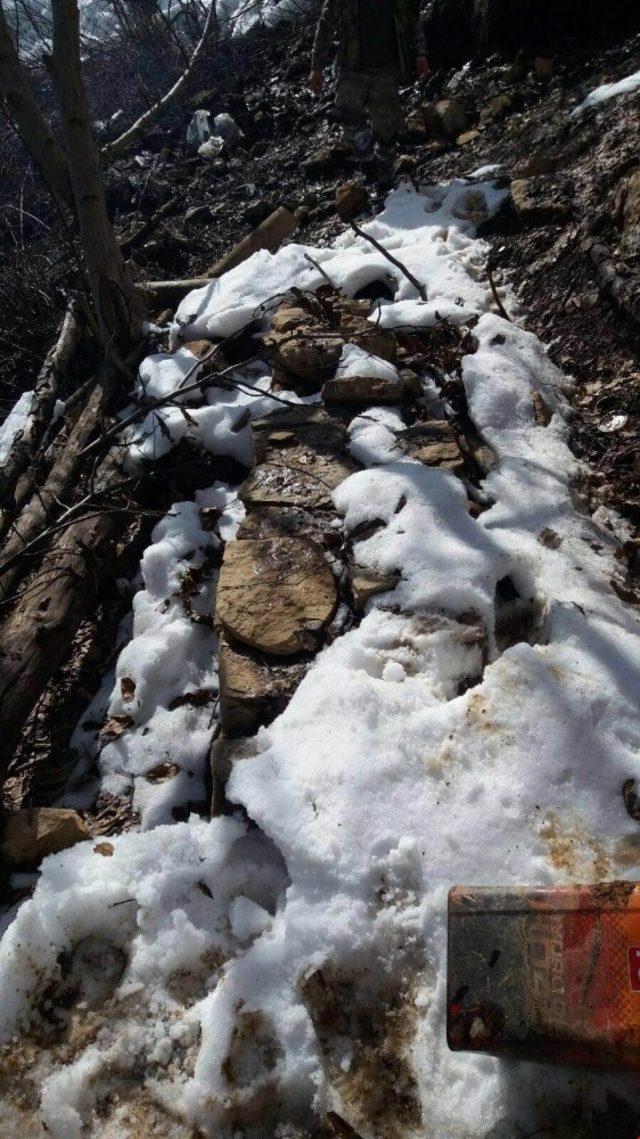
(368, 104)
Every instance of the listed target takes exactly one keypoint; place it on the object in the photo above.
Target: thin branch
(422, 292)
(120, 145)
(496, 296)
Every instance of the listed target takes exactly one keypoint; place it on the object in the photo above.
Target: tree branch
(120, 145)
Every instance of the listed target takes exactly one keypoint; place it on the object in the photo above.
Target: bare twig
(496, 296)
(422, 292)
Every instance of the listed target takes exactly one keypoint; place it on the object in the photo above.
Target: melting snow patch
(14, 424)
(608, 91)
(477, 732)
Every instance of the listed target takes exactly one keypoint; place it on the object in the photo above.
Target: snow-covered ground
(249, 978)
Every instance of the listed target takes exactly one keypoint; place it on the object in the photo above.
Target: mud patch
(365, 1022)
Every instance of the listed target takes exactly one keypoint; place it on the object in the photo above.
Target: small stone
(302, 347)
(543, 67)
(326, 160)
(32, 834)
(549, 538)
(198, 213)
(363, 390)
(276, 595)
(432, 443)
(467, 136)
(445, 119)
(366, 583)
(351, 199)
(198, 348)
(537, 201)
(498, 108)
(538, 165)
(415, 127)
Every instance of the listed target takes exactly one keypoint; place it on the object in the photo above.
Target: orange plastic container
(546, 974)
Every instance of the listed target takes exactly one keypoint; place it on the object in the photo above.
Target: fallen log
(47, 501)
(268, 235)
(36, 636)
(46, 391)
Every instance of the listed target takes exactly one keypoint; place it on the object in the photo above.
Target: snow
(608, 91)
(451, 737)
(14, 424)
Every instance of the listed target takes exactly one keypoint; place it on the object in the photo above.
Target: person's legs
(386, 115)
(351, 104)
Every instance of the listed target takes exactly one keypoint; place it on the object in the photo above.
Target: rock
(198, 213)
(226, 128)
(447, 118)
(404, 164)
(366, 583)
(415, 129)
(303, 347)
(321, 524)
(276, 595)
(628, 213)
(198, 348)
(363, 390)
(30, 835)
(359, 330)
(351, 199)
(537, 201)
(252, 693)
(432, 443)
(326, 160)
(537, 165)
(543, 67)
(498, 108)
(467, 137)
(224, 753)
(256, 212)
(300, 458)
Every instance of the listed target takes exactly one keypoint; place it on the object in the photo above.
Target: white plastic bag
(198, 130)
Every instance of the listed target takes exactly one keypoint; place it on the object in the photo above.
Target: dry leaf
(106, 849)
(127, 689)
(162, 772)
(114, 728)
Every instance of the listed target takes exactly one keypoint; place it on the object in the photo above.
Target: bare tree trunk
(31, 125)
(119, 145)
(118, 307)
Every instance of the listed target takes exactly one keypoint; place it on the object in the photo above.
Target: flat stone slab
(364, 391)
(433, 443)
(276, 595)
(300, 459)
(33, 833)
(253, 692)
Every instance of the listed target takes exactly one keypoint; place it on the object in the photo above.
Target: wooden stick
(422, 292)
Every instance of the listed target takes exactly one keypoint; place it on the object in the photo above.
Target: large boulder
(275, 595)
(32, 834)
